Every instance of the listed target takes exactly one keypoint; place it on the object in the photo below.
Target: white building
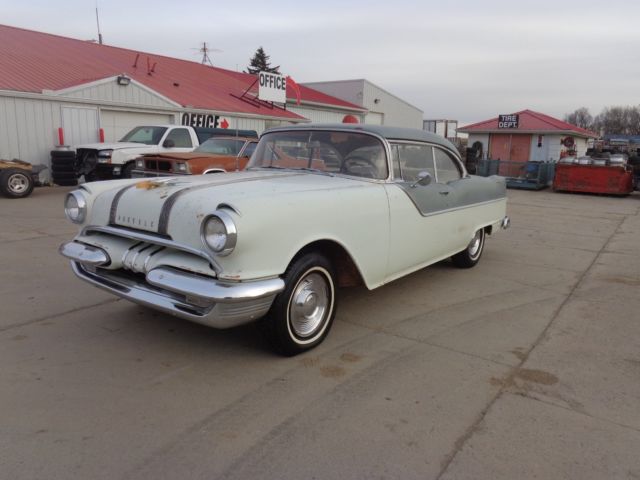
(383, 108)
(527, 136)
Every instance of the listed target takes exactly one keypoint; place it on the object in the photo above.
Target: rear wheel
(302, 314)
(16, 183)
(470, 255)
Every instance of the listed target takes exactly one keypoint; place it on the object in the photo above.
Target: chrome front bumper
(198, 298)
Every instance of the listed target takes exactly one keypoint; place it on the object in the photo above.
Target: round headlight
(219, 233)
(75, 206)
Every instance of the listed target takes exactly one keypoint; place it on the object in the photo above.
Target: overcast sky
(466, 60)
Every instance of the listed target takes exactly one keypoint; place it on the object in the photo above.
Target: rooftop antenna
(204, 50)
(98, 23)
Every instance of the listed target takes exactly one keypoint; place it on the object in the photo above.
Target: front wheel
(302, 314)
(470, 255)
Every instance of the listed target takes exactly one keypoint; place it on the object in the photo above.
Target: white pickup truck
(102, 161)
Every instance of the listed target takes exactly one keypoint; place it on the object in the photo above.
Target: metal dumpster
(593, 176)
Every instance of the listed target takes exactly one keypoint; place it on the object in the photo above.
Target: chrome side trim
(84, 254)
(155, 239)
(212, 289)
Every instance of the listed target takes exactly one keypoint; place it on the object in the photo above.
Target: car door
(422, 229)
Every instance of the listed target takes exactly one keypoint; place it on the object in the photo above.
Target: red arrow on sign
(224, 123)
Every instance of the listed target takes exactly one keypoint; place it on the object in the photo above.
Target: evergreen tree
(260, 63)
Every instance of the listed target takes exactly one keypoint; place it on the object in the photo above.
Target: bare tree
(619, 120)
(580, 118)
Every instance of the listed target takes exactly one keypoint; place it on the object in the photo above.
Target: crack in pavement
(56, 315)
(462, 440)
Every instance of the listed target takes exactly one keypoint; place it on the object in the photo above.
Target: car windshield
(146, 135)
(350, 153)
(222, 146)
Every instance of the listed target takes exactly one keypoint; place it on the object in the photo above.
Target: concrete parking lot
(527, 366)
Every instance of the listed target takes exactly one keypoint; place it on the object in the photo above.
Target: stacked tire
(63, 167)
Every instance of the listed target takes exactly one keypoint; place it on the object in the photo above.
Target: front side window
(180, 138)
(446, 167)
(146, 135)
(348, 153)
(413, 160)
(249, 149)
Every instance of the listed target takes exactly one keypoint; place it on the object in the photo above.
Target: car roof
(389, 133)
(231, 137)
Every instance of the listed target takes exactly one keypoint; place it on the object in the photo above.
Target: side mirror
(424, 178)
(168, 143)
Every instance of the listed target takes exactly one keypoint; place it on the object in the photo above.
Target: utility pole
(98, 23)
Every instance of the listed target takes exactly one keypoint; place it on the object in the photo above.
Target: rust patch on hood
(149, 185)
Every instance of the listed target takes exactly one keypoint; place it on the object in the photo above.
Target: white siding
(581, 146)
(80, 125)
(117, 123)
(374, 118)
(392, 110)
(396, 112)
(112, 92)
(257, 124)
(28, 129)
(348, 90)
(540, 153)
(321, 115)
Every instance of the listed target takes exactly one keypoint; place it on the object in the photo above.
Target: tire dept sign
(508, 121)
(272, 87)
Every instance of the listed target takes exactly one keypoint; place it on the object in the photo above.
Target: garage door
(116, 124)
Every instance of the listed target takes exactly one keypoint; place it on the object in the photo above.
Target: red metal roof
(35, 61)
(529, 121)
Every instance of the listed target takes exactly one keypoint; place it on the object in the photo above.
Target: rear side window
(414, 159)
(446, 167)
(180, 137)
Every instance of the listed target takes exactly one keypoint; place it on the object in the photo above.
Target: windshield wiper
(315, 170)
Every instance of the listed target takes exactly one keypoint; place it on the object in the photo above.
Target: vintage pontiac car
(216, 155)
(319, 207)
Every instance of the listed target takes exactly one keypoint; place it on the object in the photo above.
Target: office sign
(272, 87)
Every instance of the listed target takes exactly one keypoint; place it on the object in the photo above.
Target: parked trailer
(17, 178)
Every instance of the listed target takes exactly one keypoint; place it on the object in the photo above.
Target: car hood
(189, 156)
(154, 204)
(113, 146)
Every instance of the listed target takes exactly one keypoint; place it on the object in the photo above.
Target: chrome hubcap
(476, 244)
(309, 304)
(17, 183)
